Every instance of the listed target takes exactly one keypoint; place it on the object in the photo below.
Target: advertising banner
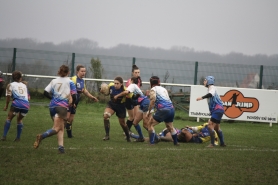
(257, 105)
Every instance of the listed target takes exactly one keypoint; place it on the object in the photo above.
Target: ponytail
(139, 81)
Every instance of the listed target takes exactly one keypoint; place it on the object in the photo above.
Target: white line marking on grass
(148, 148)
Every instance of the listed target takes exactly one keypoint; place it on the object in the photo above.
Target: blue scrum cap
(210, 80)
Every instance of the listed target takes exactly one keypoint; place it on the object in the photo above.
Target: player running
(115, 106)
(20, 105)
(62, 93)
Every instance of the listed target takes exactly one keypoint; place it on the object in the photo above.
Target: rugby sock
(175, 139)
(174, 136)
(138, 129)
(221, 137)
(19, 130)
(68, 128)
(49, 133)
(212, 137)
(152, 136)
(6, 127)
(107, 126)
(155, 136)
(134, 136)
(129, 123)
(126, 130)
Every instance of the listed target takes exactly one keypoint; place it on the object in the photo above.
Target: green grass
(251, 155)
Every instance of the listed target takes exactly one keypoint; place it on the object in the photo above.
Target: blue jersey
(214, 102)
(80, 86)
(113, 92)
(79, 83)
(61, 89)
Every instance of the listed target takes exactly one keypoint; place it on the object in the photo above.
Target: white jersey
(133, 88)
(19, 93)
(61, 89)
(161, 97)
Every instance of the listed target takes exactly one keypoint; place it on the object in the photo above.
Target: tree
(165, 78)
(97, 71)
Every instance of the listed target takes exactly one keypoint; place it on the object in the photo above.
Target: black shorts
(129, 104)
(1, 85)
(72, 109)
(119, 108)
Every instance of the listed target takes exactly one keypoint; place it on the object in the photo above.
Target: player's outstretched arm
(90, 96)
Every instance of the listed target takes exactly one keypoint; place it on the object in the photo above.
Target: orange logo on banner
(235, 104)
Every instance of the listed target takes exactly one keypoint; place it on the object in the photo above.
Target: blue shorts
(16, 110)
(60, 111)
(166, 115)
(216, 115)
(144, 105)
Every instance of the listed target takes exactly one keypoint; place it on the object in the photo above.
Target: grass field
(251, 155)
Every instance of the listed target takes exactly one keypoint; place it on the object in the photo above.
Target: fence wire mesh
(38, 62)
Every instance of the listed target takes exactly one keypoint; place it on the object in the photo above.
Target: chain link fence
(37, 62)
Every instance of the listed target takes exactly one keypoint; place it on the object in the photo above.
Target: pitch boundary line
(229, 148)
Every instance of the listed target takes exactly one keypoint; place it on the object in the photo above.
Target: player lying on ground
(198, 134)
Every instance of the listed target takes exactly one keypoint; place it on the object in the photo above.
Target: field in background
(251, 155)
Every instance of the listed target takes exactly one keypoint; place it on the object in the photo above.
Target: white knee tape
(107, 114)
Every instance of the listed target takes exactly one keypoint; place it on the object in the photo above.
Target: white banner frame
(255, 105)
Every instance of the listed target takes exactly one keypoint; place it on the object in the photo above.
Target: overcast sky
(219, 26)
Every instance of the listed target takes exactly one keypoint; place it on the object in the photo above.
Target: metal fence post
(261, 77)
(196, 73)
(14, 60)
(72, 63)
